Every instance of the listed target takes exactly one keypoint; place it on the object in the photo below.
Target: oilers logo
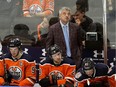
(15, 72)
(34, 9)
(57, 73)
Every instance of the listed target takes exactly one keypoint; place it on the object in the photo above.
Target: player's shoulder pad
(48, 60)
(103, 68)
(27, 57)
(112, 71)
(69, 61)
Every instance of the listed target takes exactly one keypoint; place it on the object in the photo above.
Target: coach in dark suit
(66, 35)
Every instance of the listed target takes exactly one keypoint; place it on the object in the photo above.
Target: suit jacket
(56, 36)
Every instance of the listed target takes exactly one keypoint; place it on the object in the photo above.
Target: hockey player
(2, 81)
(19, 65)
(91, 74)
(112, 75)
(41, 8)
(57, 71)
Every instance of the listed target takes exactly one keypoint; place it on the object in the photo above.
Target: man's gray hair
(64, 8)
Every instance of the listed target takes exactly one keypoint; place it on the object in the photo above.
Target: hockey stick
(5, 69)
(37, 75)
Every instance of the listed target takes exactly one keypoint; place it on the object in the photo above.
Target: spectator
(91, 74)
(42, 32)
(68, 39)
(81, 19)
(53, 20)
(39, 8)
(20, 66)
(56, 70)
(82, 4)
(22, 30)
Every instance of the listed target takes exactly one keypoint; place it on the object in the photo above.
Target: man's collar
(63, 24)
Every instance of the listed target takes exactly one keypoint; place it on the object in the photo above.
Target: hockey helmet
(53, 49)
(87, 64)
(14, 43)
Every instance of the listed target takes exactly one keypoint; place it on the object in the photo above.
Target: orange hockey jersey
(22, 71)
(1, 73)
(64, 72)
(112, 76)
(35, 6)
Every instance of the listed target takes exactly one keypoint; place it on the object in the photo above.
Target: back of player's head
(53, 50)
(15, 43)
(87, 64)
